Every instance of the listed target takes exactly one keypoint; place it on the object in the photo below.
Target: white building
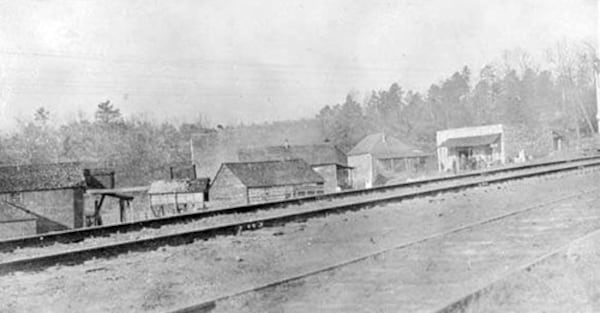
(483, 146)
(470, 147)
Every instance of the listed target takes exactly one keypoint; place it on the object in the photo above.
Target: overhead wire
(193, 84)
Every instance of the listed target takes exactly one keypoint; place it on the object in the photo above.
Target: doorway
(464, 157)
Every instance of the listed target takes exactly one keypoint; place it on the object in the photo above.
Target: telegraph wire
(205, 62)
(176, 84)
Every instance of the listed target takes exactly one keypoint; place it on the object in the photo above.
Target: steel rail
(77, 235)
(77, 256)
(209, 305)
(462, 303)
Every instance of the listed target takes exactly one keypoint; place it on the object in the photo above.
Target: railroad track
(78, 235)
(463, 302)
(459, 304)
(77, 256)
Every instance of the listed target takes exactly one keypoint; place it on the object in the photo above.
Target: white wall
(446, 157)
(362, 174)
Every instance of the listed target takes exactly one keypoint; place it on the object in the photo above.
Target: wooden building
(15, 222)
(176, 196)
(211, 149)
(327, 160)
(380, 157)
(52, 193)
(257, 182)
(122, 204)
(472, 148)
(467, 148)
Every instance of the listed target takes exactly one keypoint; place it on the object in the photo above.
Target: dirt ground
(430, 275)
(194, 225)
(566, 282)
(173, 277)
(217, 220)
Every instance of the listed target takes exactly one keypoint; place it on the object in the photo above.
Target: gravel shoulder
(568, 281)
(172, 277)
(232, 218)
(425, 276)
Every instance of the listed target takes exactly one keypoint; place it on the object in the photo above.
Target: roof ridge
(42, 164)
(265, 161)
(274, 172)
(382, 142)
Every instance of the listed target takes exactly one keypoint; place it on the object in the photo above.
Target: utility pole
(597, 83)
(597, 67)
(192, 149)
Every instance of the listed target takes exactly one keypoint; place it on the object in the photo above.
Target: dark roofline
(80, 168)
(83, 186)
(226, 164)
(386, 139)
(43, 164)
(99, 170)
(18, 220)
(260, 162)
(176, 193)
(408, 156)
(278, 185)
(355, 154)
(212, 181)
(333, 163)
(313, 154)
(18, 207)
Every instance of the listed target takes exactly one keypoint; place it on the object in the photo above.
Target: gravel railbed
(568, 281)
(171, 277)
(423, 277)
(232, 218)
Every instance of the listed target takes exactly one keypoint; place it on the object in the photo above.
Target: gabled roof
(179, 186)
(212, 149)
(471, 141)
(382, 146)
(41, 177)
(274, 173)
(319, 154)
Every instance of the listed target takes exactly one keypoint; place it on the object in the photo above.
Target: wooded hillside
(559, 95)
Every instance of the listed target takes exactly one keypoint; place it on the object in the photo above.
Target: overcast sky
(251, 61)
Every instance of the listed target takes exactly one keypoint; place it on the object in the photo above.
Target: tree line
(560, 96)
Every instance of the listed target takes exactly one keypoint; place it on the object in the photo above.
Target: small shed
(327, 160)
(118, 205)
(55, 191)
(169, 197)
(266, 181)
(379, 157)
